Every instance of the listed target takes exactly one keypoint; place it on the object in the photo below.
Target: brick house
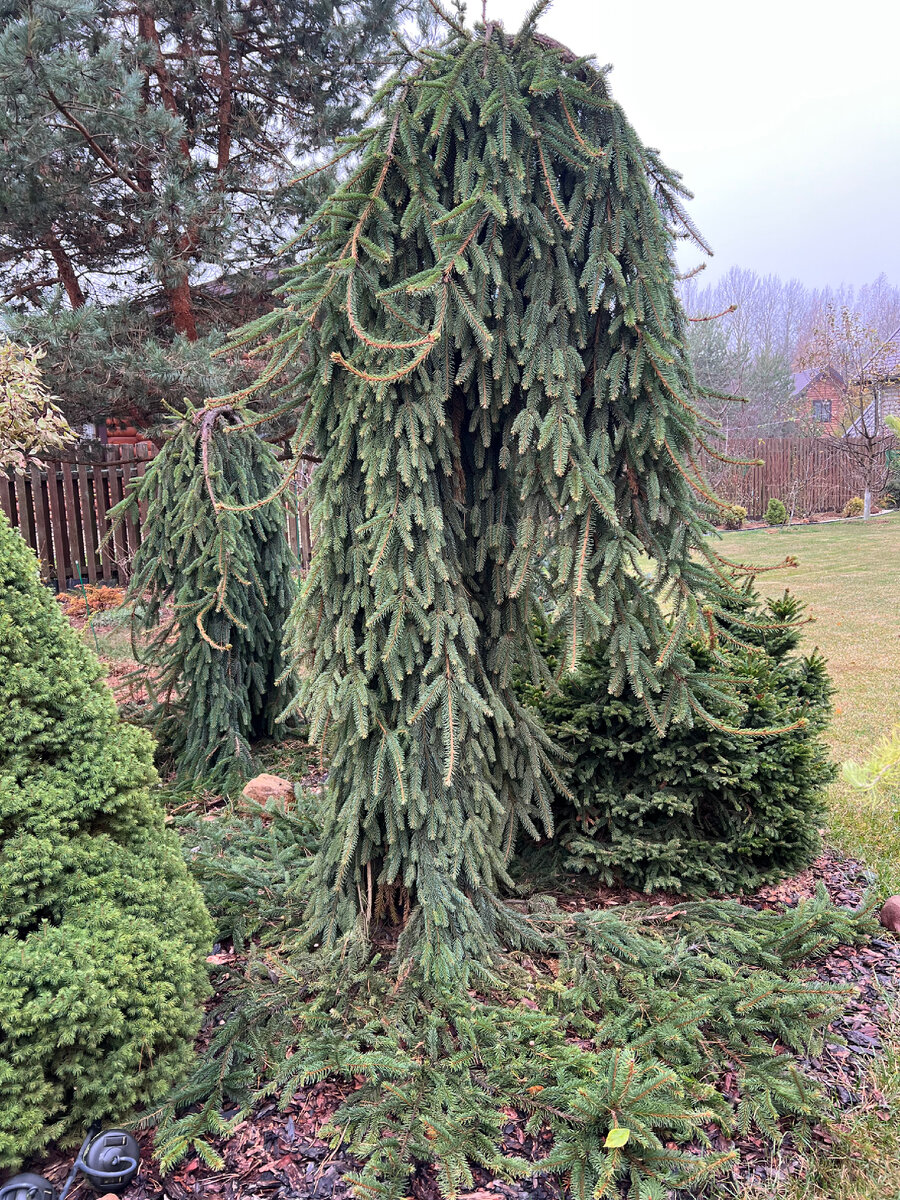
(819, 397)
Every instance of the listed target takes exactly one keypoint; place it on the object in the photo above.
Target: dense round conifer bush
(102, 932)
(776, 512)
(701, 808)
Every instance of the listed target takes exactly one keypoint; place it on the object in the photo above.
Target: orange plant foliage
(95, 598)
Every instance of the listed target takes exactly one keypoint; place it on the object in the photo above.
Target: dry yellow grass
(849, 574)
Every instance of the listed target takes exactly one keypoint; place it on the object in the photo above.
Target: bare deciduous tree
(848, 345)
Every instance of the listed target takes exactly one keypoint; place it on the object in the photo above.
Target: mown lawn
(849, 574)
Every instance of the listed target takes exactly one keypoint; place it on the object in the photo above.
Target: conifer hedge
(710, 806)
(102, 933)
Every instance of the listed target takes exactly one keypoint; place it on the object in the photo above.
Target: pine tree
(102, 933)
(215, 564)
(493, 367)
(146, 156)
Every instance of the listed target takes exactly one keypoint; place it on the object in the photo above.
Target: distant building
(819, 397)
(880, 379)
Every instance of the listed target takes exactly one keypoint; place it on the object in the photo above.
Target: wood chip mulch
(278, 1155)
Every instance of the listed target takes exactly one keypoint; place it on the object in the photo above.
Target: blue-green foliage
(213, 582)
(491, 361)
(705, 807)
(627, 1019)
(253, 863)
(102, 933)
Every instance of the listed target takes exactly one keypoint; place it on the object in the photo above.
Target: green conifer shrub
(704, 807)
(102, 933)
(734, 516)
(215, 564)
(641, 1014)
(776, 512)
(854, 507)
(490, 357)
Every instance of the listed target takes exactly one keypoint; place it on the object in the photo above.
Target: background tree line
(149, 163)
(776, 329)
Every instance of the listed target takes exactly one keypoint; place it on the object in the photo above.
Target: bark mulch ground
(278, 1155)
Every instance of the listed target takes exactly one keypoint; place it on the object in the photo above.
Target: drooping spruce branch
(495, 377)
(212, 585)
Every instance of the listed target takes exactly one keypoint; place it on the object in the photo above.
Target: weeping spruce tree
(494, 375)
(212, 583)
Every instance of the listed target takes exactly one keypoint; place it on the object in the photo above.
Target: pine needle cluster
(212, 586)
(102, 933)
(720, 805)
(491, 359)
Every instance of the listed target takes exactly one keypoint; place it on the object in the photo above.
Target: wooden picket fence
(62, 512)
(810, 474)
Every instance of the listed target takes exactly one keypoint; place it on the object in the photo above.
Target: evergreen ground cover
(626, 1020)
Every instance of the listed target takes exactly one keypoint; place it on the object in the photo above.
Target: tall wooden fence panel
(63, 514)
(811, 475)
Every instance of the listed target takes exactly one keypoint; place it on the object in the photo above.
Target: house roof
(885, 362)
(803, 379)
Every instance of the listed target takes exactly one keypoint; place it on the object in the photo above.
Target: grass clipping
(613, 1033)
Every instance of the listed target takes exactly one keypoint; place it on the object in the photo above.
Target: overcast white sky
(783, 117)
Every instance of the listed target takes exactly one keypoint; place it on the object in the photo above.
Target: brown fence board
(118, 538)
(142, 504)
(76, 549)
(6, 503)
(24, 518)
(58, 521)
(103, 530)
(88, 513)
(43, 535)
(130, 527)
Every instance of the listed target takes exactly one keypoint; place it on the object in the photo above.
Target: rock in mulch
(890, 914)
(264, 787)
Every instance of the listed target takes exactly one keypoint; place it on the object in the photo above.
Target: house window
(821, 410)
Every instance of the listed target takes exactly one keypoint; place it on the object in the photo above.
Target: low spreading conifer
(628, 1021)
(212, 585)
(102, 933)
